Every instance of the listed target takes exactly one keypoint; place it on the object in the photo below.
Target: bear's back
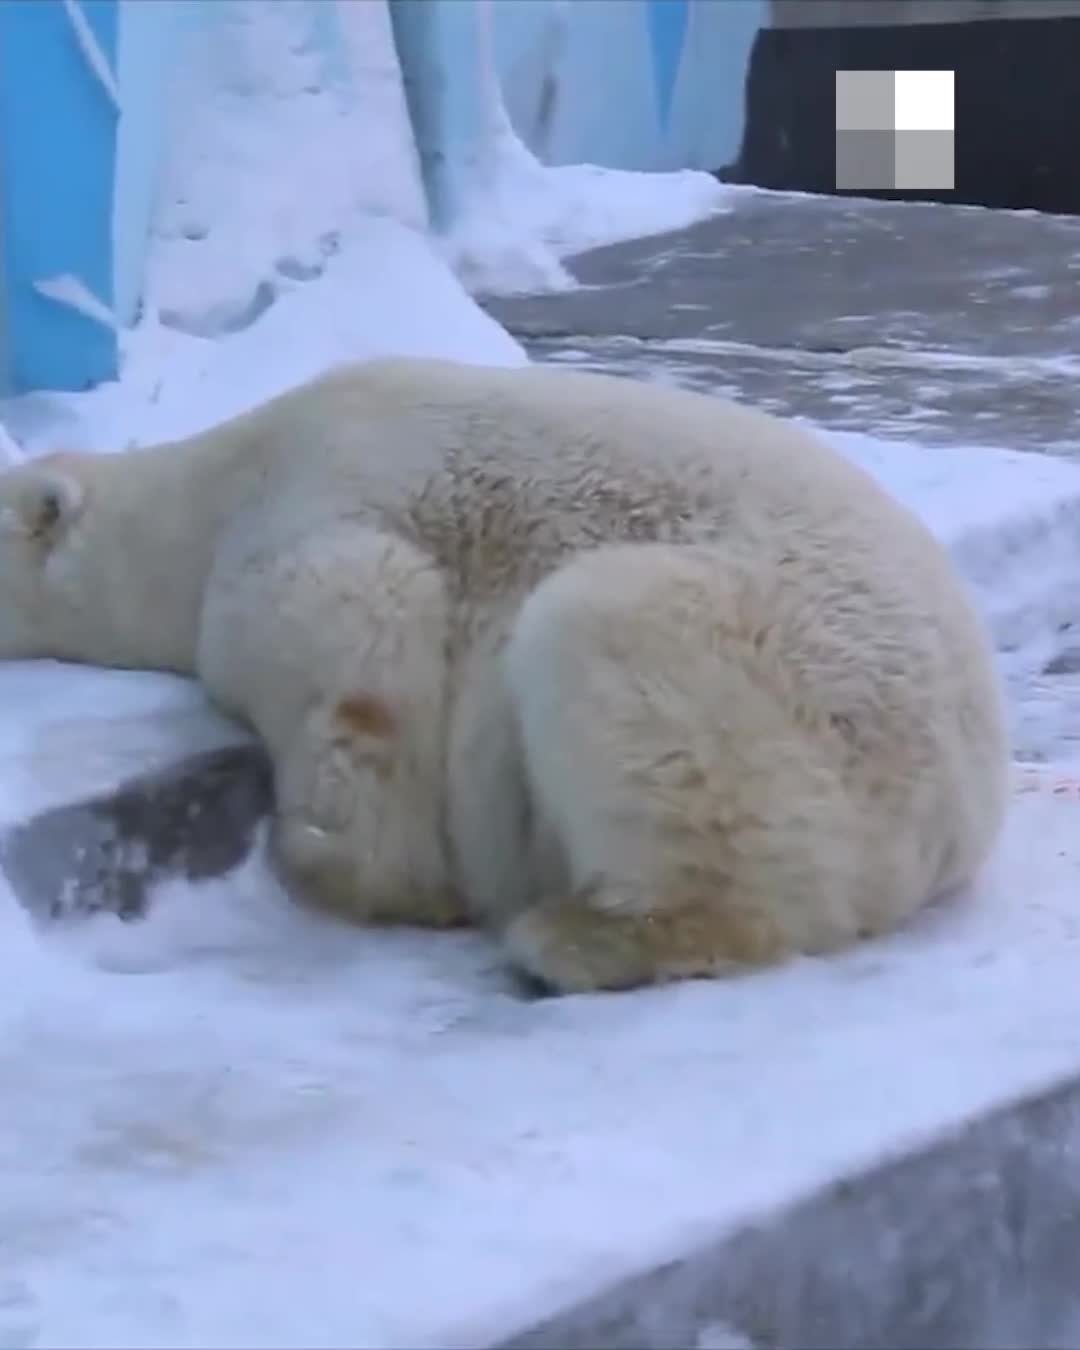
(501, 473)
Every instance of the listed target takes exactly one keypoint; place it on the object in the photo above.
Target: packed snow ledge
(236, 1125)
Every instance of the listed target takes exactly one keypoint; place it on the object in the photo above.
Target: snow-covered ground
(242, 1125)
(237, 1125)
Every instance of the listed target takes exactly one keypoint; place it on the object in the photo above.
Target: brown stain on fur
(366, 715)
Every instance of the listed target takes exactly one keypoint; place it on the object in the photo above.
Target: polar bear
(653, 684)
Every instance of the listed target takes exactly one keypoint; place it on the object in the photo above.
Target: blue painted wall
(57, 160)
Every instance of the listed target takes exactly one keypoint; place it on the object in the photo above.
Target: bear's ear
(48, 502)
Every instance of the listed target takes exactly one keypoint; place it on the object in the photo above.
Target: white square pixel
(924, 100)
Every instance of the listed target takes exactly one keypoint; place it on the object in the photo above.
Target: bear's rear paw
(335, 873)
(593, 940)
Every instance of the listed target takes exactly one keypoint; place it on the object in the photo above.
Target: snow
(519, 218)
(239, 1125)
(383, 291)
(519, 224)
(314, 87)
(1016, 539)
(69, 733)
(938, 484)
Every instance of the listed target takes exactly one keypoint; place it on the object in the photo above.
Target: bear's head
(41, 505)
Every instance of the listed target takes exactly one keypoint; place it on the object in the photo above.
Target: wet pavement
(942, 324)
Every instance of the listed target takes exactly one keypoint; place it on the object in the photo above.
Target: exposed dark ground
(943, 324)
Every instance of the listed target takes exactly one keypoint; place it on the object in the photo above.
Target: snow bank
(287, 125)
(383, 291)
(1015, 535)
(518, 218)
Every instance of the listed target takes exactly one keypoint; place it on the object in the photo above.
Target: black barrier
(1017, 107)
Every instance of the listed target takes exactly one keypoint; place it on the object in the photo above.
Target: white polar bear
(654, 684)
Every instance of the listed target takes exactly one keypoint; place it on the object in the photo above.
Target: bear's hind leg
(335, 651)
(701, 832)
(360, 841)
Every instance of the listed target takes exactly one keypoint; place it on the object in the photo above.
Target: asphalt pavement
(943, 324)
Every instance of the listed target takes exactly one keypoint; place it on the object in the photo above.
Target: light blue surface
(438, 48)
(667, 21)
(708, 108)
(631, 84)
(150, 32)
(606, 92)
(57, 159)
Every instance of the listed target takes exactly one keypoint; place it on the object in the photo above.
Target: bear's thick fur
(654, 684)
